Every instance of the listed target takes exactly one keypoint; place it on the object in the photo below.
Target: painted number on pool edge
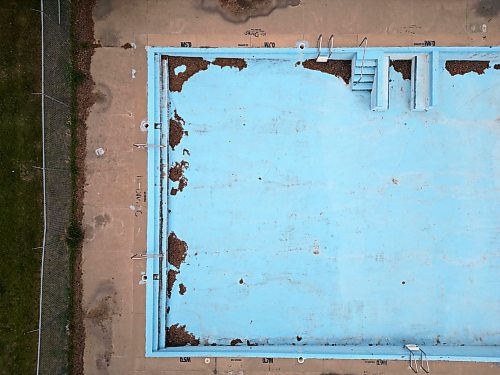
(186, 44)
(184, 359)
(267, 360)
(426, 43)
(269, 44)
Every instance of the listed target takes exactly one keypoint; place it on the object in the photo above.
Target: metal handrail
(320, 39)
(365, 40)
(330, 46)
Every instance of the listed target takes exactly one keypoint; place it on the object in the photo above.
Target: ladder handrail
(365, 40)
(414, 365)
(422, 356)
(330, 46)
(320, 39)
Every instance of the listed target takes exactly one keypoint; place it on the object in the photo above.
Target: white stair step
(366, 70)
(372, 63)
(362, 86)
(364, 78)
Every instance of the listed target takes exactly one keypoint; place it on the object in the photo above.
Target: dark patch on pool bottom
(236, 342)
(339, 68)
(177, 335)
(403, 67)
(182, 289)
(462, 67)
(193, 65)
(231, 62)
(171, 276)
(176, 171)
(176, 250)
(176, 130)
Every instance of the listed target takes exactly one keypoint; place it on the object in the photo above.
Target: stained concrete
(116, 181)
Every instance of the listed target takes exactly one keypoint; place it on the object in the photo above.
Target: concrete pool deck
(115, 180)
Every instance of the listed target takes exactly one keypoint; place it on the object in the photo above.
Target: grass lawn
(20, 185)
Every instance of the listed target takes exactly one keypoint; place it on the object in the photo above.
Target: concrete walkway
(115, 199)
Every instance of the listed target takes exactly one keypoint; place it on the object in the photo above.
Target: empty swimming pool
(325, 210)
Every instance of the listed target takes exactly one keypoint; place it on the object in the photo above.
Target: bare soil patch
(462, 67)
(82, 31)
(338, 68)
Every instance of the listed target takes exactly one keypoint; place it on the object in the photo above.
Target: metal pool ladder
(323, 58)
(365, 41)
(414, 352)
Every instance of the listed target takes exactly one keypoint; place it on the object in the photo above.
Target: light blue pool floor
(311, 219)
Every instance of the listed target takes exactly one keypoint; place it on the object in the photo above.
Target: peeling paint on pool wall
(318, 221)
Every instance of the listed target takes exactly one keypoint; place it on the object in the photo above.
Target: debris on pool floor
(403, 67)
(339, 68)
(460, 67)
(176, 130)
